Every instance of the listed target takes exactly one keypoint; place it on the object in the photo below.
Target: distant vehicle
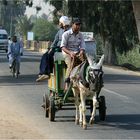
(3, 40)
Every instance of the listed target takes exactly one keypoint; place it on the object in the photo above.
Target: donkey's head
(95, 74)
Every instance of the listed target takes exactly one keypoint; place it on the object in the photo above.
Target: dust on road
(15, 126)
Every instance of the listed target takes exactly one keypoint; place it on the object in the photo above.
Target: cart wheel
(102, 108)
(46, 104)
(52, 109)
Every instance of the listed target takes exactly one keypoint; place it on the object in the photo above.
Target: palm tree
(23, 25)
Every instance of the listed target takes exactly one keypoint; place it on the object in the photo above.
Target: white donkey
(86, 81)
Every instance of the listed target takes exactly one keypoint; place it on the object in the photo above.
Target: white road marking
(115, 93)
(122, 97)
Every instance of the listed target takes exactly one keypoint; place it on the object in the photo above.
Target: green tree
(9, 11)
(113, 20)
(44, 30)
(58, 11)
(23, 25)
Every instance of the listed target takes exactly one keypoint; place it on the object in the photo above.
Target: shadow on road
(22, 80)
(31, 59)
(65, 119)
(123, 121)
(27, 57)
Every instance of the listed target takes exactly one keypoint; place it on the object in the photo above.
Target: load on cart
(86, 82)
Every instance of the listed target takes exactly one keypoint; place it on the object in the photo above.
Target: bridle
(95, 79)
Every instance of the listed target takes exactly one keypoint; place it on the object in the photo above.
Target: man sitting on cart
(73, 46)
(46, 64)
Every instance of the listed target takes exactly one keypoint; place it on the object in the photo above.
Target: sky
(46, 8)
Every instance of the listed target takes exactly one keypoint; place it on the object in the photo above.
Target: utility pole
(1, 24)
(11, 2)
(11, 21)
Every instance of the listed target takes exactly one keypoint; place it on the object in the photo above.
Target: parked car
(3, 40)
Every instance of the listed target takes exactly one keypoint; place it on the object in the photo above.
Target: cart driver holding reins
(73, 48)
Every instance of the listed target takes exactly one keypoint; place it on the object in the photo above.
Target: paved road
(121, 89)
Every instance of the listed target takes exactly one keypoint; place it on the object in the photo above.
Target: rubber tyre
(13, 70)
(46, 103)
(102, 108)
(17, 70)
(52, 109)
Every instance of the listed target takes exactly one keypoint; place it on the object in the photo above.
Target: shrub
(131, 57)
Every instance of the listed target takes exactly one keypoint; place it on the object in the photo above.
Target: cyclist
(15, 50)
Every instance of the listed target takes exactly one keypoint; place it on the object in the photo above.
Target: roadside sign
(90, 43)
(88, 36)
(30, 36)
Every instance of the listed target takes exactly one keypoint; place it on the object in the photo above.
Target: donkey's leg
(95, 102)
(83, 106)
(81, 115)
(76, 95)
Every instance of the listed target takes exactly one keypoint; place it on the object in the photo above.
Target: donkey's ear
(100, 63)
(90, 59)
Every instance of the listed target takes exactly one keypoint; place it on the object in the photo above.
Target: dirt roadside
(14, 126)
(119, 68)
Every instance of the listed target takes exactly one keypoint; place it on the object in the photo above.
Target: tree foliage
(57, 4)
(23, 25)
(44, 30)
(9, 11)
(113, 20)
(58, 11)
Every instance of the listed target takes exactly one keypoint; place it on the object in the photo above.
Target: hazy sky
(46, 8)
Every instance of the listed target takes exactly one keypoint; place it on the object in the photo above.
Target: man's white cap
(64, 20)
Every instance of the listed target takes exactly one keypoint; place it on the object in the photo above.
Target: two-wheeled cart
(55, 97)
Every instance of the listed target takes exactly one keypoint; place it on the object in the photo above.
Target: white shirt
(73, 42)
